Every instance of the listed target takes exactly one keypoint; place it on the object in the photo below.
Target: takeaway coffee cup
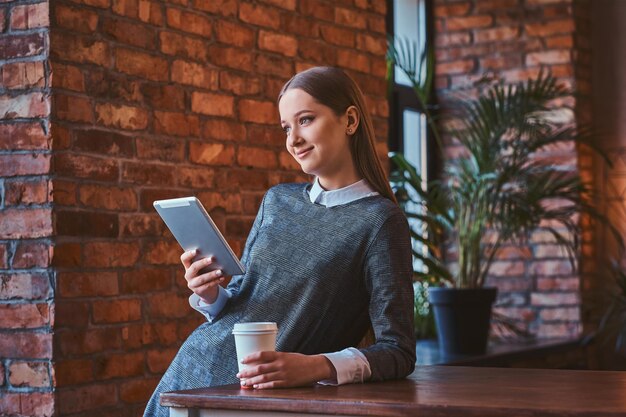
(254, 337)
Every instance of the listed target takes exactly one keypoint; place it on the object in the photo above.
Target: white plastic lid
(259, 326)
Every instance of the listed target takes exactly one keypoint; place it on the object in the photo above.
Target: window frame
(402, 98)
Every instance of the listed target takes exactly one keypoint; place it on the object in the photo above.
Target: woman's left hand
(281, 369)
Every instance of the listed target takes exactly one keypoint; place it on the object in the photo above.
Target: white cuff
(351, 366)
(210, 310)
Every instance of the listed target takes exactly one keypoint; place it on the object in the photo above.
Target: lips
(303, 152)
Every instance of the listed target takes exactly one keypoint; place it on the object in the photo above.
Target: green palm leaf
(503, 183)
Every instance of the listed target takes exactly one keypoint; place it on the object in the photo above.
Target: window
(408, 129)
(407, 19)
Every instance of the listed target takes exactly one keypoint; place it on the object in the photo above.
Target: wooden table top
(435, 391)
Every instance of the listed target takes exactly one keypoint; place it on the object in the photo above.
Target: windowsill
(498, 354)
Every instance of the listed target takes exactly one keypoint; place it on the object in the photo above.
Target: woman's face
(317, 138)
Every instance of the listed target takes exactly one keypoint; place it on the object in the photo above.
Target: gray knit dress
(321, 273)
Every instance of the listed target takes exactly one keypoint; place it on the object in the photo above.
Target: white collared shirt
(345, 195)
(350, 364)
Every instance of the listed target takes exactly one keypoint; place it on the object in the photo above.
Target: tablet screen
(193, 228)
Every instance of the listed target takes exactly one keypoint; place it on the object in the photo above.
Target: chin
(307, 169)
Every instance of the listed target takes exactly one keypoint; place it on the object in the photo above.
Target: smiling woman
(330, 93)
(318, 139)
(325, 261)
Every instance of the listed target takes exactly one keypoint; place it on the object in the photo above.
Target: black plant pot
(462, 317)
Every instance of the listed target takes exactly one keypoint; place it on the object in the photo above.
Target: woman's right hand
(204, 285)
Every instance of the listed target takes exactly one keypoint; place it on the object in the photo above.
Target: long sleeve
(350, 365)
(388, 280)
(210, 311)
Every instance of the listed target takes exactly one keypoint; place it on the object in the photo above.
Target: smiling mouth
(302, 153)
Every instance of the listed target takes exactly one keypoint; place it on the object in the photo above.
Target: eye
(305, 120)
(286, 129)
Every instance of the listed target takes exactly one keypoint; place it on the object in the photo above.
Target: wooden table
(432, 391)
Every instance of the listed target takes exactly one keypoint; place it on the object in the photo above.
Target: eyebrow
(299, 113)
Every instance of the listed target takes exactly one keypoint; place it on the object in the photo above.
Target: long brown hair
(335, 89)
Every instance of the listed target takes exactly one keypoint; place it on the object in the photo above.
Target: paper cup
(254, 337)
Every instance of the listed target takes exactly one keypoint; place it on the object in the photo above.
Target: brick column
(26, 291)
(514, 39)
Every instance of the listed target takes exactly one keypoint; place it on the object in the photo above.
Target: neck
(335, 183)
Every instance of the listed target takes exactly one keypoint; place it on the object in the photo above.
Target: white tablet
(193, 228)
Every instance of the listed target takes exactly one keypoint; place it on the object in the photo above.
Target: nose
(293, 138)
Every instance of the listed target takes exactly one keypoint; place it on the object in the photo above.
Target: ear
(354, 119)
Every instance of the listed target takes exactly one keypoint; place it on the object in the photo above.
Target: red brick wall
(514, 39)
(157, 100)
(26, 292)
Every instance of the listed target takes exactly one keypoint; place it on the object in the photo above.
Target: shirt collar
(345, 195)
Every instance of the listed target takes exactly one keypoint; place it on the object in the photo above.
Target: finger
(213, 278)
(268, 378)
(270, 385)
(186, 258)
(251, 371)
(202, 290)
(261, 356)
(197, 266)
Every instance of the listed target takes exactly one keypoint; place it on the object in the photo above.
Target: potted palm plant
(498, 191)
